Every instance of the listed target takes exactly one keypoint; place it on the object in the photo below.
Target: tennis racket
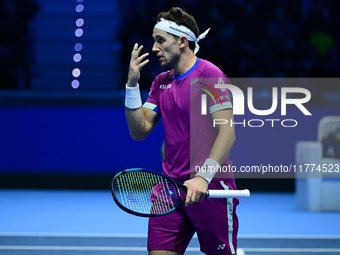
(149, 193)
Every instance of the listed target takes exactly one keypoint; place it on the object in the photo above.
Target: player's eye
(160, 40)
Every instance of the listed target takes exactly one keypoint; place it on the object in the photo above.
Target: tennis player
(176, 37)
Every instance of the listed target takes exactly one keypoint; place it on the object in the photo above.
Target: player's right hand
(136, 65)
(197, 190)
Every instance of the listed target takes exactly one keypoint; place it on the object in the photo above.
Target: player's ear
(183, 42)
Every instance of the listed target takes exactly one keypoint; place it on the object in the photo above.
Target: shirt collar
(177, 78)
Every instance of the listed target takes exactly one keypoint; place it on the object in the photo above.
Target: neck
(186, 61)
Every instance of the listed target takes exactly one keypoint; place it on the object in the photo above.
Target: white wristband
(132, 97)
(208, 169)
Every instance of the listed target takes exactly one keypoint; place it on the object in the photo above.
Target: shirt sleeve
(222, 99)
(219, 98)
(152, 102)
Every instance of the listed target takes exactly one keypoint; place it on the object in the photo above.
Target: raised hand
(136, 65)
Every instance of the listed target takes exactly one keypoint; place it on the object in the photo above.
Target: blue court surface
(89, 222)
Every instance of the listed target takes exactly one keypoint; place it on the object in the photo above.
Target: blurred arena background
(64, 66)
(63, 134)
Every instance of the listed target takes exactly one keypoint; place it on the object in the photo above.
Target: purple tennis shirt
(189, 134)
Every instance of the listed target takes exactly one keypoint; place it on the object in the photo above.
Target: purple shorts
(213, 219)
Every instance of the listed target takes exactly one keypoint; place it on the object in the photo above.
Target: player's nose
(155, 48)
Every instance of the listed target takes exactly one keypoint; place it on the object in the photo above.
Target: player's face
(166, 48)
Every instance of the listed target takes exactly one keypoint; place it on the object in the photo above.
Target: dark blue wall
(95, 139)
(88, 139)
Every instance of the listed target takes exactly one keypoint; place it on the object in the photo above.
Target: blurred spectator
(16, 42)
(253, 38)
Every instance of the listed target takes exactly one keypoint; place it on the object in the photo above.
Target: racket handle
(228, 193)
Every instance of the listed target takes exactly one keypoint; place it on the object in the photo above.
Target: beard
(168, 64)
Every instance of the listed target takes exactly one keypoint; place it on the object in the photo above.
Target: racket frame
(177, 186)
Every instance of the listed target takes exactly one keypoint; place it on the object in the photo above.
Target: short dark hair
(181, 17)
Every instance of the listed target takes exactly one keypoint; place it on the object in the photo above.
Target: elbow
(138, 137)
(138, 134)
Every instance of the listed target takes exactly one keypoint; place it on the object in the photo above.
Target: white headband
(179, 30)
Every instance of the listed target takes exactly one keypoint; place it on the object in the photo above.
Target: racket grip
(228, 193)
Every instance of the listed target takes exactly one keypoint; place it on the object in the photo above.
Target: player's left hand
(197, 189)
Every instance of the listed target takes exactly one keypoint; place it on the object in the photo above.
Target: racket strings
(145, 192)
(158, 204)
(164, 203)
(128, 194)
(150, 184)
(170, 194)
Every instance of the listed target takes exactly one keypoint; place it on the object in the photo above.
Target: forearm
(137, 123)
(222, 145)
(225, 138)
